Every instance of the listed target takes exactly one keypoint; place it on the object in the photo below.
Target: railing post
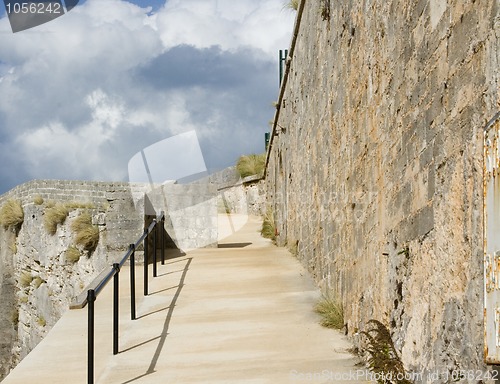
(162, 229)
(132, 281)
(90, 336)
(116, 284)
(146, 257)
(155, 229)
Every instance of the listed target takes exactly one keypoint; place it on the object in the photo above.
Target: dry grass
(72, 254)
(331, 312)
(37, 281)
(12, 214)
(292, 4)
(268, 226)
(87, 234)
(38, 200)
(55, 215)
(25, 279)
(250, 165)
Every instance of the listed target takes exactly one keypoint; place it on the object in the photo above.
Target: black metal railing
(113, 272)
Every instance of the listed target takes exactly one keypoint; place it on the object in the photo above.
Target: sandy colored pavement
(240, 313)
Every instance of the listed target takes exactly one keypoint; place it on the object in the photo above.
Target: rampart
(375, 168)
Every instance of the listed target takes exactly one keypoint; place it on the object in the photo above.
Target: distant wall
(375, 166)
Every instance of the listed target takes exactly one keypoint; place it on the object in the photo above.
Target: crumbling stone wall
(37, 282)
(375, 166)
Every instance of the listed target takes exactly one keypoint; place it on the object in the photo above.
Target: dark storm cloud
(185, 66)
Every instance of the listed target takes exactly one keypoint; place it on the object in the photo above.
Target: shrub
(250, 165)
(72, 254)
(268, 226)
(87, 235)
(12, 214)
(54, 216)
(332, 313)
(38, 200)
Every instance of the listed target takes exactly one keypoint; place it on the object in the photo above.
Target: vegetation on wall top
(249, 165)
(12, 214)
(292, 4)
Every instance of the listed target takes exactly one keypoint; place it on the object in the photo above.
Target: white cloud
(260, 24)
(80, 95)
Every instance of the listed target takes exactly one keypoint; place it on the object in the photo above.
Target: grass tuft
(332, 313)
(250, 165)
(12, 214)
(72, 254)
(25, 279)
(87, 234)
(268, 230)
(41, 321)
(292, 4)
(37, 281)
(38, 200)
(55, 215)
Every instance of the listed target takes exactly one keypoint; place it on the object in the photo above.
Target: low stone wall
(191, 213)
(37, 281)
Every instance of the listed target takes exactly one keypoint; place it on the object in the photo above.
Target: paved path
(242, 313)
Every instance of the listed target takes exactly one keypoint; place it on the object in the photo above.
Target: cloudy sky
(82, 94)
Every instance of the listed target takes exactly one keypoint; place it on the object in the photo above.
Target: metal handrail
(89, 295)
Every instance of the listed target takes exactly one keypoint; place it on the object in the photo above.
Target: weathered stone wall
(37, 281)
(375, 166)
(190, 211)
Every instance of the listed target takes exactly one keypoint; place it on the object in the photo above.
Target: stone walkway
(241, 313)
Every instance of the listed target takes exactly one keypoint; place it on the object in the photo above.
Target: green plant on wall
(249, 165)
(12, 214)
(86, 234)
(383, 360)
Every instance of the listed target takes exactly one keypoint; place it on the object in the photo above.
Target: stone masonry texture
(375, 166)
(37, 282)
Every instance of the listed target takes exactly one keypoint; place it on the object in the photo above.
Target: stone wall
(37, 281)
(375, 166)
